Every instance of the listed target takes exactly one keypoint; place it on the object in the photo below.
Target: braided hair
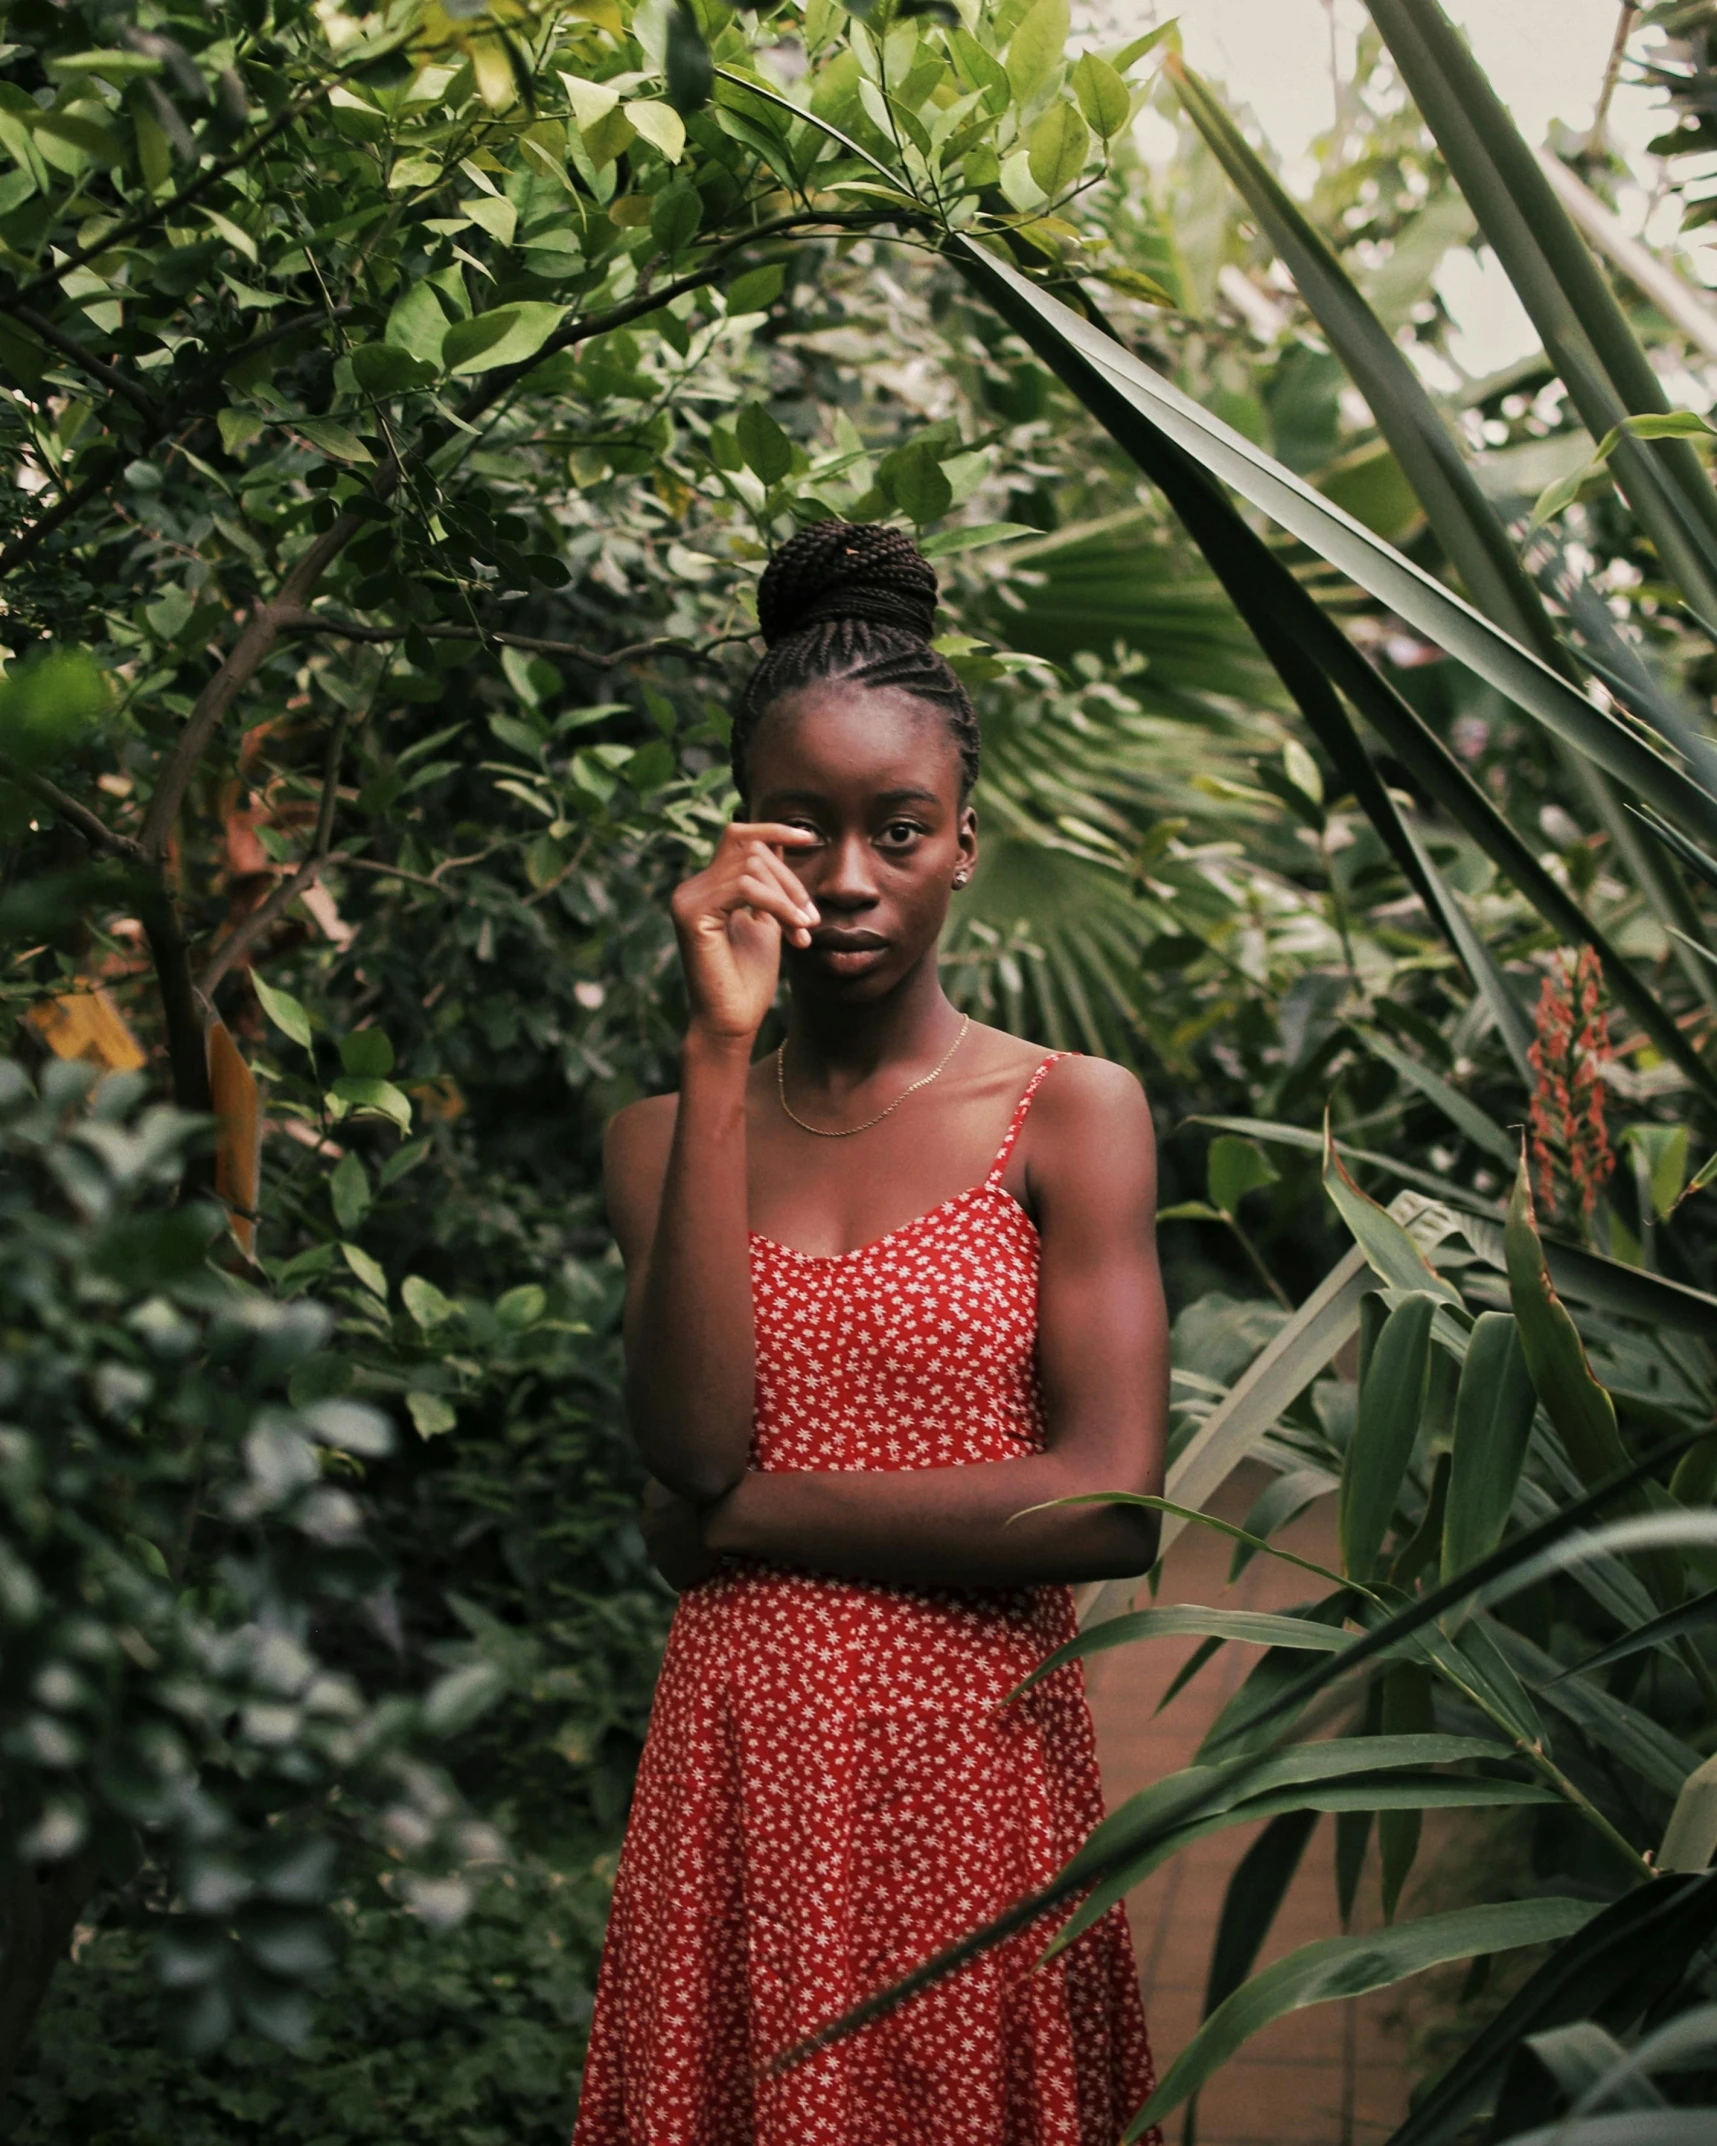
(852, 600)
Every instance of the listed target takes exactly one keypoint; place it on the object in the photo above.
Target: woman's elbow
(1129, 1537)
(701, 1483)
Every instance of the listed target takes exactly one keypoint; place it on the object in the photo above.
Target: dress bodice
(918, 1350)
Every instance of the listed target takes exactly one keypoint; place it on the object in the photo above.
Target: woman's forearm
(952, 1526)
(691, 1366)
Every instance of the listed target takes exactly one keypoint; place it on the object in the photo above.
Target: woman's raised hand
(730, 918)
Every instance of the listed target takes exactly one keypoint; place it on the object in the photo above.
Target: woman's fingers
(774, 832)
(767, 898)
(758, 862)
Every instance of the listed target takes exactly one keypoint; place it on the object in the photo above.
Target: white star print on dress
(832, 1790)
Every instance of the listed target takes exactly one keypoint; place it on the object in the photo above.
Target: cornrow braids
(852, 600)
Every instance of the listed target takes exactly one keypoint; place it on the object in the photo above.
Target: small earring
(960, 879)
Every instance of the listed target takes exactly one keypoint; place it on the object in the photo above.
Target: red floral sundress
(832, 1789)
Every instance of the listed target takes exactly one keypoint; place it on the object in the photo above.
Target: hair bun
(836, 570)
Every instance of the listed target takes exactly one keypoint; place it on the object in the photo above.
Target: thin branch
(351, 629)
(383, 870)
(280, 330)
(90, 825)
(1612, 72)
(98, 369)
(187, 1051)
(244, 935)
(43, 527)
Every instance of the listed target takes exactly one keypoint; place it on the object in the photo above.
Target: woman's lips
(847, 952)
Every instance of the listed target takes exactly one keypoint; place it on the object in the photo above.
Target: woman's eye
(901, 831)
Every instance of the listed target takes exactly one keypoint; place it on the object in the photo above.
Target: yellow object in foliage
(87, 1024)
(238, 1134)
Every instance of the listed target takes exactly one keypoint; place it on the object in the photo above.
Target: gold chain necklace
(845, 1132)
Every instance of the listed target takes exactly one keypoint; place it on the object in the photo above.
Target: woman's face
(874, 774)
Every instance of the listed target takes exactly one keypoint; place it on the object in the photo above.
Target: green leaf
(1391, 1402)
(498, 217)
(1252, 1628)
(432, 1414)
(1234, 1168)
(660, 125)
(349, 1189)
(675, 214)
(982, 70)
(426, 1303)
(355, 1091)
(240, 429)
(974, 537)
(385, 369)
(1662, 1149)
(914, 480)
(521, 1307)
(1165, 33)
(461, 1697)
(1150, 1504)
(368, 1270)
(1655, 1633)
(417, 323)
(1103, 97)
(1575, 1402)
(1059, 145)
(767, 450)
(1277, 1376)
(1494, 1406)
(1690, 1840)
(1034, 50)
(757, 289)
(366, 1050)
(508, 336)
(336, 441)
(283, 1010)
(1393, 1255)
(1405, 1791)
(1337, 1967)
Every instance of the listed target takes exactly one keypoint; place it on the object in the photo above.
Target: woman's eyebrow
(909, 797)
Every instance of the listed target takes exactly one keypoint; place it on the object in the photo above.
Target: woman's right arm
(678, 1200)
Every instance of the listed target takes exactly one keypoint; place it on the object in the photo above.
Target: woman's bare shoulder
(1092, 1116)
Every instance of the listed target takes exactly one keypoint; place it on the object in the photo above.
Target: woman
(891, 1290)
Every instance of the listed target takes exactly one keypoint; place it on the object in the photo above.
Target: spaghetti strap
(1021, 1109)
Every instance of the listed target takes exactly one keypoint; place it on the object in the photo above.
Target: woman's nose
(843, 873)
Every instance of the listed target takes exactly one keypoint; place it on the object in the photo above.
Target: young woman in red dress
(887, 1289)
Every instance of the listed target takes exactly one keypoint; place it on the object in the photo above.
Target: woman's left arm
(1103, 1361)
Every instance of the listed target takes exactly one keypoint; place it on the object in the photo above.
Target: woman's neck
(836, 1047)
